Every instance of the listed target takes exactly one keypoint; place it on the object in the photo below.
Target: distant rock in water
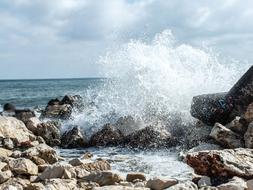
(8, 107)
(73, 138)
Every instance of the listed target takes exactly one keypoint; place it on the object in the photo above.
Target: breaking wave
(156, 80)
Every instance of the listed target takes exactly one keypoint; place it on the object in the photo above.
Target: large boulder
(150, 137)
(42, 151)
(225, 137)
(109, 135)
(14, 129)
(127, 125)
(73, 138)
(222, 163)
(23, 166)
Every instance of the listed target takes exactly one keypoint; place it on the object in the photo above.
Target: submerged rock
(73, 138)
(222, 163)
(225, 137)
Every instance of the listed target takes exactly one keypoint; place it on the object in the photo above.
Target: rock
(63, 171)
(150, 137)
(35, 186)
(208, 188)
(63, 184)
(23, 166)
(43, 167)
(250, 184)
(42, 151)
(237, 125)
(76, 162)
(103, 178)
(8, 143)
(32, 124)
(98, 165)
(75, 101)
(4, 176)
(109, 135)
(222, 163)
(235, 183)
(160, 184)
(16, 154)
(57, 111)
(8, 107)
(3, 166)
(5, 153)
(127, 125)
(188, 185)
(131, 177)
(24, 115)
(15, 129)
(248, 136)
(225, 137)
(73, 138)
(248, 115)
(116, 187)
(15, 184)
(204, 181)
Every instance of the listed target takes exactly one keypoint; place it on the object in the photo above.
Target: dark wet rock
(57, 111)
(53, 102)
(128, 125)
(225, 137)
(109, 135)
(222, 163)
(75, 101)
(150, 137)
(238, 125)
(8, 107)
(73, 138)
(131, 177)
(24, 115)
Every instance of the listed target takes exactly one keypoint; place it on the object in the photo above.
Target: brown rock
(160, 184)
(224, 163)
(98, 165)
(225, 137)
(248, 115)
(131, 177)
(116, 187)
(248, 136)
(24, 115)
(237, 125)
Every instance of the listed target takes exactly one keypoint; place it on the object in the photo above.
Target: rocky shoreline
(221, 155)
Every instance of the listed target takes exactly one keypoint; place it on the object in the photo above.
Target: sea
(151, 81)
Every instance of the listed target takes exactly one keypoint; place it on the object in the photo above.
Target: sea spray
(155, 81)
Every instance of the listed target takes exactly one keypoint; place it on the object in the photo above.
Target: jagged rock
(248, 115)
(35, 186)
(131, 177)
(5, 153)
(87, 185)
(23, 166)
(237, 125)
(160, 184)
(32, 124)
(226, 137)
(57, 111)
(185, 186)
(42, 151)
(73, 138)
(8, 143)
(15, 129)
(204, 181)
(116, 187)
(63, 184)
(43, 167)
(24, 115)
(63, 171)
(248, 136)
(150, 137)
(4, 176)
(109, 135)
(3, 166)
(15, 184)
(127, 125)
(235, 183)
(76, 162)
(75, 101)
(222, 163)
(103, 178)
(89, 166)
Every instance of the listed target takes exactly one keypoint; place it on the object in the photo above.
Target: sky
(65, 38)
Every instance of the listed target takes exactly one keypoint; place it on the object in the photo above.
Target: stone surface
(160, 184)
(5, 152)
(23, 166)
(5, 175)
(185, 186)
(248, 115)
(42, 151)
(237, 125)
(109, 135)
(225, 137)
(15, 129)
(250, 184)
(103, 178)
(204, 181)
(131, 177)
(116, 187)
(235, 183)
(63, 171)
(89, 166)
(24, 115)
(8, 143)
(73, 138)
(61, 184)
(248, 136)
(223, 163)
(57, 111)
(15, 184)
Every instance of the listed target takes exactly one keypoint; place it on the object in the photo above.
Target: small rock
(131, 177)
(116, 187)
(160, 184)
(76, 162)
(35, 186)
(23, 166)
(73, 138)
(103, 178)
(225, 137)
(16, 154)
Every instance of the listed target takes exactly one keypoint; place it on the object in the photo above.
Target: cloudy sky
(64, 38)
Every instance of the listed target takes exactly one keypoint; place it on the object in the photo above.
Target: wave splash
(154, 81)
